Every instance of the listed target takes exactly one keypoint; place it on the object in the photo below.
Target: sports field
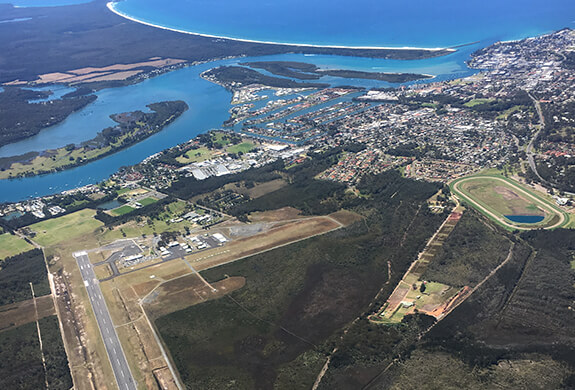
(498, 197)
(122, 210)
(12, 245)
(147, 201)
(69, 226)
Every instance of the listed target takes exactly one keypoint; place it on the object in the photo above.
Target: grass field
(202, 153)
(187, 291)
(155, 225)
(123, 191)
(261, 189)
(12, 245)
(476, 102)
(196, 155)
(497, 196)
(147, 201)
(122, 210)
(244, 147)
(64, 228)
(61, 158)
(501, 197)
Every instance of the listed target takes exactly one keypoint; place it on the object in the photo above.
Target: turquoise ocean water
(44, 3)
(367, 23)
(420, 23)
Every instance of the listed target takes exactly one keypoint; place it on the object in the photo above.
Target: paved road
(116, 355)
(127, 248)
(529, 151)
(530, 154)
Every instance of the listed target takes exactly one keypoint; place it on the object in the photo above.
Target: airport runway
(116, 355)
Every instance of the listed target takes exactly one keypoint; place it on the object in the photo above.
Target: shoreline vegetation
(33, 55)
(24, 113)
(38, 48)
(307, 71)
(133, 127)
(231, 77)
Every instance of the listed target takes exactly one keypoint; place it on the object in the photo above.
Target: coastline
(111, 7)
(89, 153)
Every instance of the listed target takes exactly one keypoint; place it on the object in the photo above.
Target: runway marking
(104, 321)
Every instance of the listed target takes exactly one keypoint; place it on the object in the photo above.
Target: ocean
(44, 3)
(416, 23)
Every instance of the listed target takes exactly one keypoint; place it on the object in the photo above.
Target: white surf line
(111, 7)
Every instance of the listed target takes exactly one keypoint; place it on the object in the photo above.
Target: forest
(20, 119)
(277, 330)
(21, 360)
(18, 272)
(229, 76)
(305, 71)
(515, 331)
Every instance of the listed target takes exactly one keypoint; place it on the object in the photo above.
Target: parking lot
(130, 254)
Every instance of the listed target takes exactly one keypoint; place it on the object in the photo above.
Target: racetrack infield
(497, 197)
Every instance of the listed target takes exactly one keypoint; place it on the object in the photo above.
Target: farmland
(500, 198)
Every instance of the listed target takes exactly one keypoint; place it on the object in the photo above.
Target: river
(209, 103)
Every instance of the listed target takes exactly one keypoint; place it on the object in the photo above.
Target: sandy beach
(112, 8)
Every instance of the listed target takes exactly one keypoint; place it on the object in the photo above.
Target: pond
(525, 218)
(110, 205)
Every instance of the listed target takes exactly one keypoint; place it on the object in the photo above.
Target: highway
(124, 377)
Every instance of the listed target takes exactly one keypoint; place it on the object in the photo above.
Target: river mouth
(209, 104)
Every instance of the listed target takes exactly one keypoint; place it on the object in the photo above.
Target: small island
(231, 77)
(306, 71)
(132, 127)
